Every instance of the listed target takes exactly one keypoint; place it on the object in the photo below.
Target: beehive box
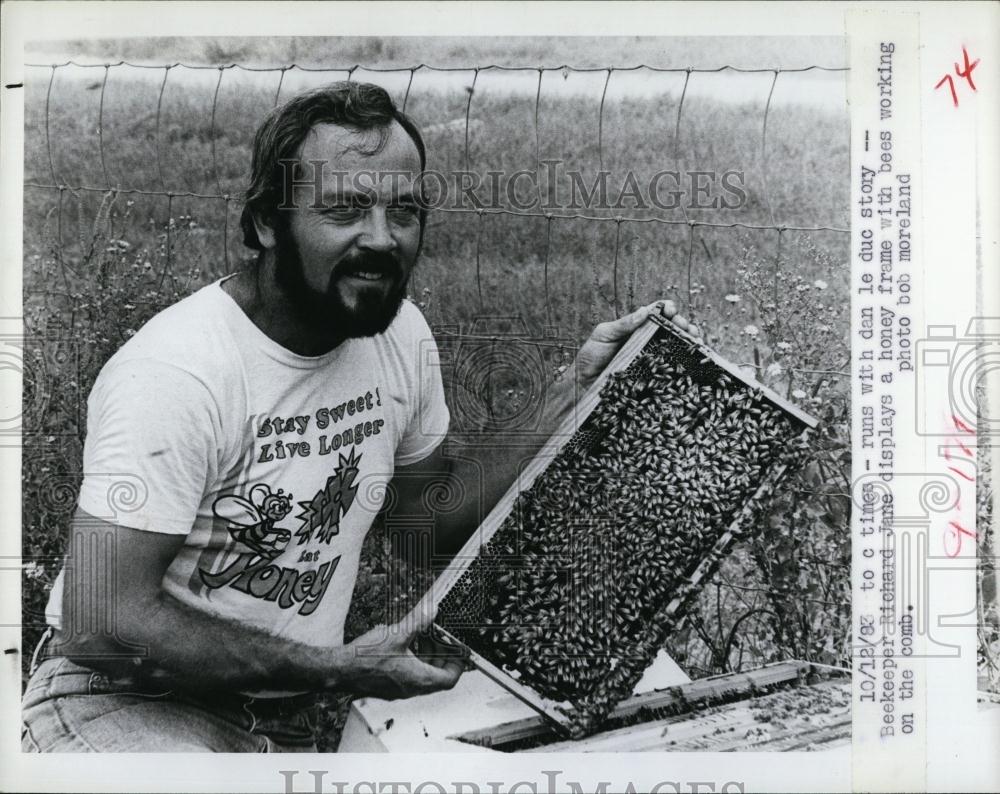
(789, 705)
(578, 576)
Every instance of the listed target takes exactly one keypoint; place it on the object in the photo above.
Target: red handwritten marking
(965, 72)
(961, 446)
(970, 461)
(953, 534)
(951, 85)
(960, 425)
(963, 475)
(956, 532)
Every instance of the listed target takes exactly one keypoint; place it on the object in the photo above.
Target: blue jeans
(70, 708)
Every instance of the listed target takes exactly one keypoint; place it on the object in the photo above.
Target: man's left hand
(607, 338)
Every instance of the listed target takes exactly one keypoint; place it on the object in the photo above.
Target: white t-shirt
(273, 465)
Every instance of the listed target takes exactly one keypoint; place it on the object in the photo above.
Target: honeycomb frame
(575, 717)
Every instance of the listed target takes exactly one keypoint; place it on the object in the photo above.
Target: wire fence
(348, 72)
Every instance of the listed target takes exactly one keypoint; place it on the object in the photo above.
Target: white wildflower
(751, 330)
(733, 297)
(774, 369)
(820, 284)
(798, 394)
(33, 570)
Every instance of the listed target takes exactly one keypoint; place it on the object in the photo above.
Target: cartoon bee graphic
(251, 521)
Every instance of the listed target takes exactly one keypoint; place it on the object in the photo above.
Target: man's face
(344, 266)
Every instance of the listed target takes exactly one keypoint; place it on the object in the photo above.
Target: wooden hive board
(472, 576)
(782, 706)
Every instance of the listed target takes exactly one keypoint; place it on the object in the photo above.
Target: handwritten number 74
(965, 72)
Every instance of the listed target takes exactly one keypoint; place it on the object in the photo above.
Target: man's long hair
(358, 106)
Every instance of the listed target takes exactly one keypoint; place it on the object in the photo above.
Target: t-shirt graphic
(322, 513)
(252, 520)
(252, 524)
(271, 465)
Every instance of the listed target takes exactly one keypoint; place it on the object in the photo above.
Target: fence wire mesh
(226, 197)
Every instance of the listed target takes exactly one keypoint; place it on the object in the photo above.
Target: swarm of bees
(582, 584)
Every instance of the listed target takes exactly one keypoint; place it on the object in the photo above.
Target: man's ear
(265, 230)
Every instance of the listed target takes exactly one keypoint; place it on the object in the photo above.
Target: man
(260, 422)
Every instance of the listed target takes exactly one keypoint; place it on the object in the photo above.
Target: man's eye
(342, 212)
(404, 212)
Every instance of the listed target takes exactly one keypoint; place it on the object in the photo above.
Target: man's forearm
(190, 649)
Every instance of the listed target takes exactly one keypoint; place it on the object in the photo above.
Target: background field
(99, 262)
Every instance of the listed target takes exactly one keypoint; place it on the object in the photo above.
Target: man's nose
(377, 235)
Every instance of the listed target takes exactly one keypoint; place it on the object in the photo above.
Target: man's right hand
(381, 663)
(186, 648)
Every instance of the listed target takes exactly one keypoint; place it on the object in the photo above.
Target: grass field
(97, 265)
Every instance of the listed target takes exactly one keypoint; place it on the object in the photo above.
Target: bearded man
(261, 421)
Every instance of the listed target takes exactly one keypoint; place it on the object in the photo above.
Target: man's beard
(374, 308)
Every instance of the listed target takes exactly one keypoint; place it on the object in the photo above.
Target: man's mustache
(382, 262)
